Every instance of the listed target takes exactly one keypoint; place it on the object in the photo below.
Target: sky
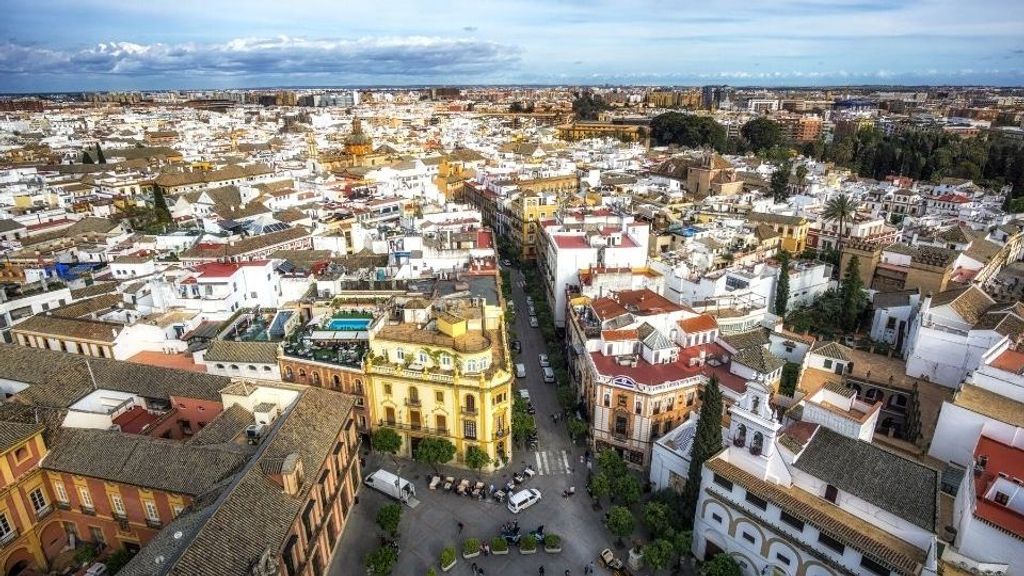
(74, 45)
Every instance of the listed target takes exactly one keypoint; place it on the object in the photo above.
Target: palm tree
(841, 209)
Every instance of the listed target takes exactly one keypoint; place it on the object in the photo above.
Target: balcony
(120, 516)
(43, 512)
(501, 433)
(155, 524)
(62, 505)
(88, 510)
(415, 402)
(414, 428)
(8, 538)
(469, 410)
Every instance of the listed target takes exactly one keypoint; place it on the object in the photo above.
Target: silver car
(533, 322)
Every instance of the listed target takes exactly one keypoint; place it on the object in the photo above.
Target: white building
(808, 500)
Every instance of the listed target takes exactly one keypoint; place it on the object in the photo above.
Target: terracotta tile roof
(141, 461)
(831, 519)
(81, 329)
(831, 349)
(896, 484)
(14, 433)
(1008, 461)
(224, 428)
(701, 323)
(618, 335)
(756, 337)
(990, 404)
(242, 352)
(776, 219)
(969, 303)
(758, 359)
(245, 245)
(255, 513)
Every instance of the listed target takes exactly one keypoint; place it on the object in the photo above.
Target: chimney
(286, 472)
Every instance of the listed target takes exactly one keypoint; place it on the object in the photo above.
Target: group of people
(587, 570)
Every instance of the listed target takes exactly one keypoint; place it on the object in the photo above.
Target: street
(427, 529)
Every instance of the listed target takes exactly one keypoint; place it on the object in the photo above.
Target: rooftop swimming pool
(349, 324)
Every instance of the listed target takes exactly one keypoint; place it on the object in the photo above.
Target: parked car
(523, 499)
(533, 322)
(549, 375)
(544, 363)
(529, 299)
(520, 371)
(517, 346)
(506, 263)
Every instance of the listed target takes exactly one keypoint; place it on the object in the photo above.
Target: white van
(523, 499)
(390, 484)
(520, 371)
(549, 374)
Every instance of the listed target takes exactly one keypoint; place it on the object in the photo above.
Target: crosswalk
(551, 462)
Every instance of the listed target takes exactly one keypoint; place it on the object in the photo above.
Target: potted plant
(447, 558)
(499, 546)
(552, 543)
(471, 548)
(431, 571)
(528, 544)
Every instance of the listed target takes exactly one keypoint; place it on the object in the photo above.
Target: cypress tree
(99, 154)
(86, 159)
(782, 285)
(706, 443)
(913, 425)
(160, 206)
(780, 182)
(852, 293)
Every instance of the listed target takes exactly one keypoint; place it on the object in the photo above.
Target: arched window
(302, 374)
(470, 403)
(414, 395)
(757, 444)
(741, 436)
(220, 366)
(288, 374)
(336, 381)
(234, 366)
(358, 385)
(251, 368)
(316, 378)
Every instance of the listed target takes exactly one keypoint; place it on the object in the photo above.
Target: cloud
(413, 56)
(469, 28)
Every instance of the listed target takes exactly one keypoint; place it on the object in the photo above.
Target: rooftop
(995, 483)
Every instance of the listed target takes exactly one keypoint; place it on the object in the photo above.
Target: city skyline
(112, 45)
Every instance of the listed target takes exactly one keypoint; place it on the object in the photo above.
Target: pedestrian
(568, 572)
(461, 526)
(541, 571)
(475, 569)
(591, 566)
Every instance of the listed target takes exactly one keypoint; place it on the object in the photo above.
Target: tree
(780, 181)
(801, 173)
(600, 486)
(577, 428)
(587, 106)
(476, 458)
(657, 518)
(658, 554)
(912, 428)
(840, 209)
(782, 285)
(99, 154)
(434, 451)
(721, 565)
(627, 488)
(687, 130)
(386, 441)
(118, 559)
(790, 376)
(381, 561)
(706, 443)
(388, 518)
(523, 425)
(609, 462)
(621, 522)
(86, 158)
(762, 134)
(682, 541)
(851, 293)
(163, 215)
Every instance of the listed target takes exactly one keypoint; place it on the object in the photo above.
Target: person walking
(541, 571)
(461, 526)
(476, 570)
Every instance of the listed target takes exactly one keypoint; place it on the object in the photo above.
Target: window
(387, 389)
(722, 482)
(307, 520)
(873, 567)
(793, 521)
(638, 407)
(400, 354)
(5, 527)
(439, 397)
(763, 505)
(783, 559)
(716, 517)
(621, 400)
(749, 537)
(38, 500)
(58, 489)
(84, 496)
(1002, 498)
(151, 511)
(446, 361)
(621, 422)
(117, 504)
(828, 364)
(831, 493)
(469, 429)
(607, 400)
(96, 534)
(221, 367)
(831, 543)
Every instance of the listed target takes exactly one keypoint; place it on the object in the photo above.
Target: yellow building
(792, 229)
(443, 371)
(525, 212)
(25, 500)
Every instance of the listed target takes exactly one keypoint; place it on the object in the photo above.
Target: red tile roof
(646, 301)
(618, 335)
(573, 242)
(1010, 361)
(1005, 459)
(701, 323)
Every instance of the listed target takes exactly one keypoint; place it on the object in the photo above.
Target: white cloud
(411, 56)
